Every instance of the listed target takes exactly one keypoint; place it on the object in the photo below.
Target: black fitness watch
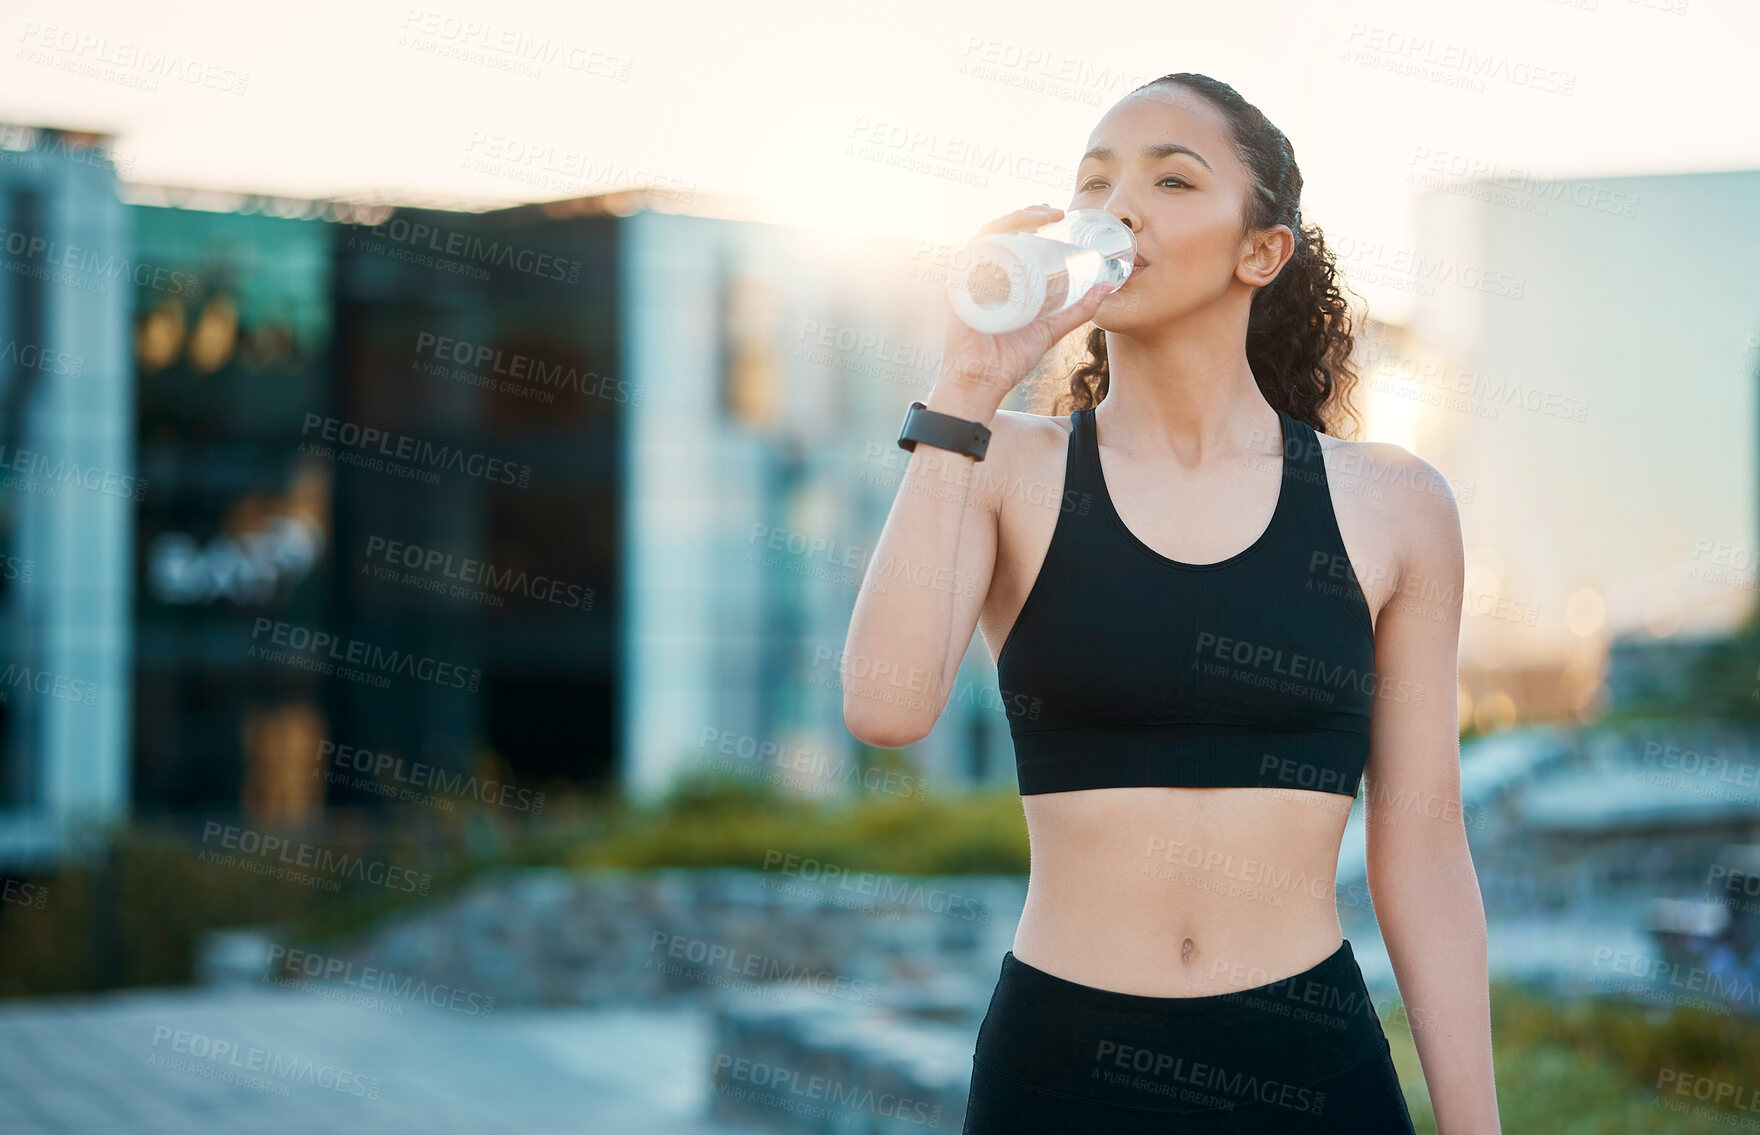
(943, 431)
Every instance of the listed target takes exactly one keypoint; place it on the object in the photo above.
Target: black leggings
(1305, 1054)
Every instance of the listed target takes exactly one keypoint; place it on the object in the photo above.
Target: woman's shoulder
(1025, 448)
(1388, 464)
(1026, 427)
(1406, 494)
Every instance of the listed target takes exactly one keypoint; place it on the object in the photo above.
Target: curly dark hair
(1299, 339)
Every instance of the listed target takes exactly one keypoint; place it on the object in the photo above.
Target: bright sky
(439, 100)
(887, 119)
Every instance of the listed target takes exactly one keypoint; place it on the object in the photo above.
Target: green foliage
(715, 821)
(132, 913)
(1639, 1040)
(1722, 682)
(1591, 1067)
(126, 917)
(135, 912)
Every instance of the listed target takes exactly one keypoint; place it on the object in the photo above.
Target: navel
(1188, 950)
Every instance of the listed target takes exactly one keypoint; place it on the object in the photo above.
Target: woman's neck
(1185, 397)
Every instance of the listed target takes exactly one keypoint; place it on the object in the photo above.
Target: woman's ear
(1266, 252)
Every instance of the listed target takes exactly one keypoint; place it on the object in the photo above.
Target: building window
(751, 372)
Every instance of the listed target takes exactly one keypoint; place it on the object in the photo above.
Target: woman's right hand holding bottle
(943, 526)
(978, 370)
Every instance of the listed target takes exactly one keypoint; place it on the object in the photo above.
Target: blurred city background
(439, 450)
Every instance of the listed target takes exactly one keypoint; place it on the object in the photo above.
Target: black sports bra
(1255, 671)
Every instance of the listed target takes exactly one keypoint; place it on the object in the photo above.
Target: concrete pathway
(245, 1060)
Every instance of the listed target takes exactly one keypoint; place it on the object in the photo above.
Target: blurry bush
(132, 912)
(131, 907)
(1593, 1067)
(1726, 681)
(713, 820)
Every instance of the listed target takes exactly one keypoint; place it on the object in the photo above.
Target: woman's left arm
(1420, 874)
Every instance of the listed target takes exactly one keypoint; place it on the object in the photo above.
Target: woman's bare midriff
(1170, 892)
(1181, 892)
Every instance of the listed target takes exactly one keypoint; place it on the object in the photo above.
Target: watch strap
(943, 431)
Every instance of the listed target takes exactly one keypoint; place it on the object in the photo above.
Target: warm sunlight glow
(1585, 611)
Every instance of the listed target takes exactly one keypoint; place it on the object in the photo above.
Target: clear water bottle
(1003, 281)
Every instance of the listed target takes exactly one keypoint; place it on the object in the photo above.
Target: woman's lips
(1139, 262)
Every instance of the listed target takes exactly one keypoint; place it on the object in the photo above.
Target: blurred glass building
(234, 524)
(1582, 360)
(775, 365)
(68, 487)
(491, 338)
(427, 502)
(384, 530)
